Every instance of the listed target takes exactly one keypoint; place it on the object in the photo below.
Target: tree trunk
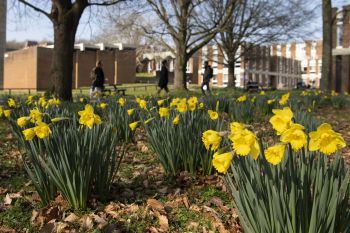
(180, 71)
(327, 45)
(2, 40)
(231, 75)
(65, 27)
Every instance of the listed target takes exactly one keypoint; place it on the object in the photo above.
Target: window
(339, 34)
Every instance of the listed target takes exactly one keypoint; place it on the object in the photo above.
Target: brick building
(29, 68)
(309, 53)
(258, 65)
(341, 50)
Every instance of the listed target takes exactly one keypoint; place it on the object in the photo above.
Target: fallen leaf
(101, 223)
(71, 218)
(7, 200)
(35, 214)
(86, 222)
(153, 230)
(155, 204)
(185, 200)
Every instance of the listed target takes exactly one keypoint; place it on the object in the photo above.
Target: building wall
(126, 66)
(3, 8)
(21, 69)
(85, 62)
(108, 60)
(43, 67)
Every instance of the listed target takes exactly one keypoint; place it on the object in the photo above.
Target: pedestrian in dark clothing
(163, 78)
(208, 74)
(98, 78)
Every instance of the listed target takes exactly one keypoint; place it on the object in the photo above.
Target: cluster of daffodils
(180, 105)
(41, 129)
(244, 141)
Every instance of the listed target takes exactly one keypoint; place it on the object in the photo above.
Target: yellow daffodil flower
(242, 98)
(133, 125)
(88, 117)
(121, 101)
(192, 107)
(143, 104)
(326, 140)
(275, 154)
(296, 136)
(28, 134)
(160, 102)
(284, 99)
(213, 115)
(22, 121)
(271, 101)
(244, 142)
(42, 130)
(11, 103)
(164, 112)
(7, 113)
(282, 119)
(222, 162)
(130, 111)
(211, 140)
(103, 105)
(176, 120)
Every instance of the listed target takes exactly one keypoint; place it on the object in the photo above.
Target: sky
(39, 28)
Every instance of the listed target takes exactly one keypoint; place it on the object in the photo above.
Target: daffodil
(121, 101)
(176, 120)
(164, 112)
(7, 113)
(213, 115)
(81, 100)
(222, 162)
(262, 93)
(296, 136)
(143, 104)
(35, 115)
(29, 100)
(88, 117)
(133, 125)
(174, 102)
(182, 107)
(1, 111)
(284, 99)
(42, 130)
(242, 98)
(57, 119)
(211, 140)
(103, 105)
(275, 154)
(282, 119)
(28, 134)
(11, 103)
(201, 105)
(148, 120)
(130, 111)
(192, 100)
(244, 142)
(253, 99)
(160, 102)
(271, 101)
(326, 140)
(22, 121)
(192, 107)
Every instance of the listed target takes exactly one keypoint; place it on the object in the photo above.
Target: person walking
(208, 74)
(98, 79)
(163, 78)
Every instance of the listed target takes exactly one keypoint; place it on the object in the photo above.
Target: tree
(253, 23)
(327, 45)
(186, 27)
(2, 38)
(65, 16)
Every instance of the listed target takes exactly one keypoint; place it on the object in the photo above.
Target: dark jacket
(208, 74)
(100, 77)
(163, 77)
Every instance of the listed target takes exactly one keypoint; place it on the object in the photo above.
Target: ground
(141, 200)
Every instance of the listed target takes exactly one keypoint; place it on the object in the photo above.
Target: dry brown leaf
(86, 222)
(110, 210)
(186, 202)
(153, 230)
(6, 229)
(7, 200)
(35, 214)
(101, 222)
(155, 204)
(195, 208)
(71, 218)
(62, 227)
(193, 225)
